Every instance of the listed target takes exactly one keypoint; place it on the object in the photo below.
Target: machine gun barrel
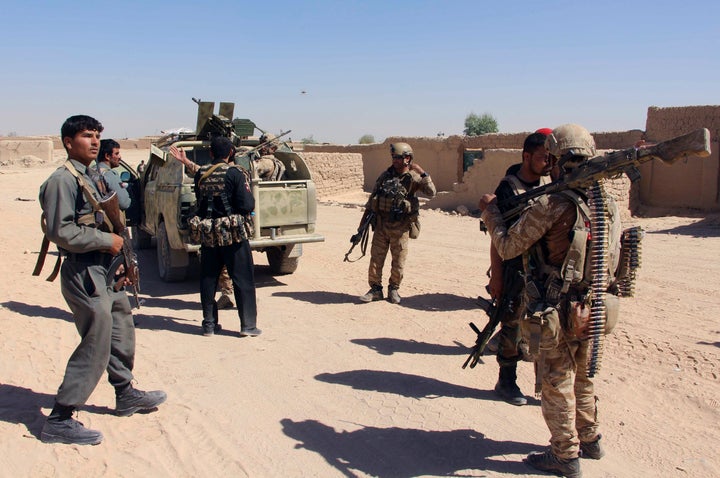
(262, 145)
(614, 164)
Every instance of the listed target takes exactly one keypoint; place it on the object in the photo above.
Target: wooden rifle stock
(111, 207)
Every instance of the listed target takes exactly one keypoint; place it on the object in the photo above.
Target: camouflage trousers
(392, 236)
(569, 404)
(224, 282)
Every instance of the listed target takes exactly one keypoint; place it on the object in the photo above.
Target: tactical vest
(392, 196)
(580, 297)
(228, 228)
(520, 187)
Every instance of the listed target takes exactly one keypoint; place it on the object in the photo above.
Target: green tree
(366, 139)
(476, 125)
(308, 140)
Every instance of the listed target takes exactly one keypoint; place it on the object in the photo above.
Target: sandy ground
(335, 388)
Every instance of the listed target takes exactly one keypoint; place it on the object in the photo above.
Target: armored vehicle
(285, 210)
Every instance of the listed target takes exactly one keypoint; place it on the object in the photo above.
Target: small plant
(476, 125)
(308, 140)
(366, 139)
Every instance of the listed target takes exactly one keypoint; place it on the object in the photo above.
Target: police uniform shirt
(63, 201)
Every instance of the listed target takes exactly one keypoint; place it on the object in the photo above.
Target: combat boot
(250, 331)
(593, 449)
(507, 388)
(61, 428)
(70, 432)
(393, 295)
(375, 293)
(208, 330)
(549, 462)
(130, 400)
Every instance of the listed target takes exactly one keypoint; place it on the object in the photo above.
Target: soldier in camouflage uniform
(267, 166)
(224, 198)
(569, 404)
(396, 211)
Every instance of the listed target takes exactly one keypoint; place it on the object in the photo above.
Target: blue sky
(385, 68)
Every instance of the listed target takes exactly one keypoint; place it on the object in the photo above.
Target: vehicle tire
(140, 239)
(279, 263)
(172, 263)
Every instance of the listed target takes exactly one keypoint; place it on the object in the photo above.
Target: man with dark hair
(224, 199)
(108, 159)
(225, 284)
(531, 173)
(95, 294)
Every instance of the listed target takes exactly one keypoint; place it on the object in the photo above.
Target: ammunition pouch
(217, 232)
(612, 312)
(391, 197)
(541, 328)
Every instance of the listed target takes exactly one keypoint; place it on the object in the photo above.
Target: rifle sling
(41, 261)
(88, 193)
(46, 242)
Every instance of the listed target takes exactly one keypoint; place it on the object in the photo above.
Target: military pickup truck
(285, 210)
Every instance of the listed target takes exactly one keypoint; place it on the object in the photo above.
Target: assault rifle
(266, 143)
(613, 165)
(513, 284)
(361, 236)
(127, 257)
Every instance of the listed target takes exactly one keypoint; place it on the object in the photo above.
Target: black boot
(507, 387)
(548, 462)
(128, 400)
(593, 449)
(60, 427)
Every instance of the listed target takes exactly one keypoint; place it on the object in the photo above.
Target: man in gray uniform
(95, 293)
(109, 158)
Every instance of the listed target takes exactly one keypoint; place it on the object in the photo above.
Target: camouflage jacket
(412, 183)
(548, 220)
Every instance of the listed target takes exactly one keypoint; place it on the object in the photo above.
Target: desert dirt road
(336, 388)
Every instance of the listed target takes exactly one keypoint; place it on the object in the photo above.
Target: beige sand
(335, 388)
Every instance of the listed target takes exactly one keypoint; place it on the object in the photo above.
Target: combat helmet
(401, 149)
(267, 137)
(570, 144)
(269, 147)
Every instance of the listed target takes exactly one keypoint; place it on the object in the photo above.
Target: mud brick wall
(690, 183)
(25, 151)
(335, 173)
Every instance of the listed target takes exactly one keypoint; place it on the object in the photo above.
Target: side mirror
(125, 177)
